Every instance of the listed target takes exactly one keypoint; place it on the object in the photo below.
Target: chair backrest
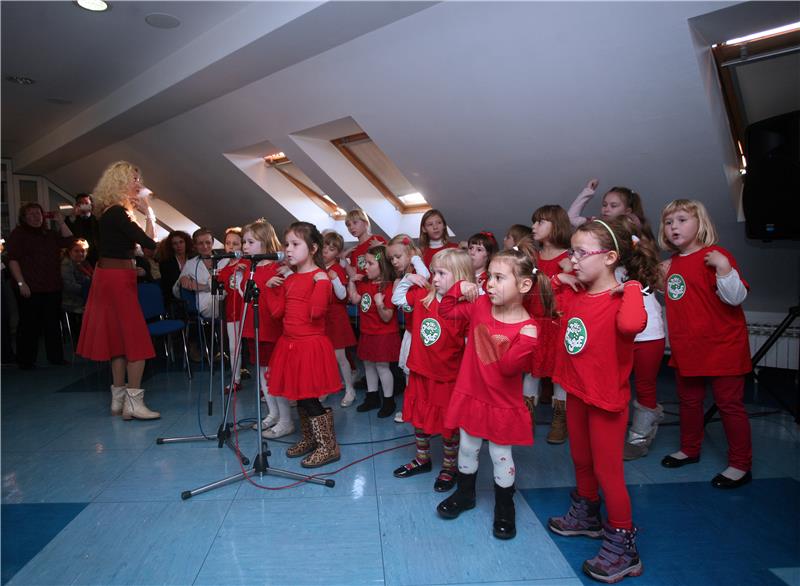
(150, 300)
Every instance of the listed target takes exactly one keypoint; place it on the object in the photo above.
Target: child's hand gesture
(469, 291)
(355, 278)
(375, 242)
(529, 330)
(417, 280)
(719, 261)
(276, 281)
(332, 275)
(379, 298)
(571, 281)
(592, 185)
(321, 276)
(242, 266)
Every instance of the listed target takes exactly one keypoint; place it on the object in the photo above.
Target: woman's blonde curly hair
(112, 187)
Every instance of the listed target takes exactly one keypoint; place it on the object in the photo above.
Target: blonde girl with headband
(433, 235)
(599, 323)
(337, 322)
(379, 334)
(259, 238)
(230, 276)
(486, 402)
(550, 231)
(437, 345)
(704, 292)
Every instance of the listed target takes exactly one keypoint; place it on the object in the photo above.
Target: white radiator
(786, 350)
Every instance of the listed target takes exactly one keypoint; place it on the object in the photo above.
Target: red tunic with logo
(543, 361)
(707, 336)
(234, 302)
(437, 346)
(337, 322)
(269, 328)
(487, 398)
(356, 256)
(303, 364)
(596, 354)
(428, 253)
(378, 341)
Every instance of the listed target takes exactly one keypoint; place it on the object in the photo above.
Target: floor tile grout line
(211, 545)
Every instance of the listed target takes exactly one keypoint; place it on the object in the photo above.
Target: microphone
(223, 254)
(278, 256)
(218, 255)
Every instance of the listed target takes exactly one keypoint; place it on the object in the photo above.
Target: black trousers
(39, 314)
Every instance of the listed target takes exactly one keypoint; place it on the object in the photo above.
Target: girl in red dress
(358, 225)
(486, 402)
(303, 366)
(551, 231)
(230, 277)
(337, 322)
(379, 335)
(260, 238)
(481, 247)
(437, 344)
(599, 324)
(708, 336)
(433, 235)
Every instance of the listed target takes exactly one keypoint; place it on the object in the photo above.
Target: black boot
(388, 408)
(371, 401)
(462, 499)
(504, 514)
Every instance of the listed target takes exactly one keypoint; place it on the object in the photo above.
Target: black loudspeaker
(771, 197)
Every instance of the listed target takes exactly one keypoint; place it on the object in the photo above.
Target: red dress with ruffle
(303, 364)
(337, 322)
(487, 399)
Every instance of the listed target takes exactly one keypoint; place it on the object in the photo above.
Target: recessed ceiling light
(20, 79)
(93, 5)
(160, 20)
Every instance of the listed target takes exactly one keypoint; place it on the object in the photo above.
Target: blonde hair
(706, 233)
(112, 187)
(455, 260)
(358, 214)
(406, 241)
(264, 233)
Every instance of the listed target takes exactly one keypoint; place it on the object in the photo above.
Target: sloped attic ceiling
(490, 109)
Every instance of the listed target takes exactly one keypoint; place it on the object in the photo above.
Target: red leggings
(646, 363)
(728, 394)
(596, 438)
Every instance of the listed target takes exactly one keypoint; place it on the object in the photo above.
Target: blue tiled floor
(91, 499)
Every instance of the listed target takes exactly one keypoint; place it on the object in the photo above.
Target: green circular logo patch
(430, 331)
(366, 302)
(676, 287)
(576, 337)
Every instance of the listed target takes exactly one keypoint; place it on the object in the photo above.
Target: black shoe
(670, 462)
(412, 469)
(244, 374)
(720, 481)
(504, 526)
(371, 401)
(463, 499)
(445, 481)
(388, 408)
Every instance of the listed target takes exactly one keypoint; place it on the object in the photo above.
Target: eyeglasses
(581, 254)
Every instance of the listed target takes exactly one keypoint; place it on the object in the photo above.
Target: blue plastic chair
(152, 304)
(189, 299)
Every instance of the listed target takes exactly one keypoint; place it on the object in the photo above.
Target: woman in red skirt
(303, 365)
(113, 324)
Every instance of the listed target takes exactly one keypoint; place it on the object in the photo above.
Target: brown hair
(165, 251)
(455, 260)
(21, 216)
(706, 233)
(523, 262)
(561, 231)
(633, 200)
(636, 253)
(487, 240)
(333, 238)
(201, 232)
(518, 232)
(234, 230)
(264, 233)
(311, 236)
(387, 270)
(424, 241)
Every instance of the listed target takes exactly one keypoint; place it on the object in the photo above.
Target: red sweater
(269, 328)
(596, 357)
(356, 256)
(707, 336)
(301, 303)
(428, 253)
(234, 302)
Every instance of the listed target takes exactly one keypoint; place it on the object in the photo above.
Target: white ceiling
(490, 109)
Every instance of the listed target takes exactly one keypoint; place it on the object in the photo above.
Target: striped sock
(423, 446)
(450, 446)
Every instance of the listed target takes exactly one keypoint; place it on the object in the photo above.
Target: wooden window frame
(341, 145)
(327, 206)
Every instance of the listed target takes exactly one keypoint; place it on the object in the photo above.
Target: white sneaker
(267, 422)
(398, 417)
(279, 430)
(349, 397)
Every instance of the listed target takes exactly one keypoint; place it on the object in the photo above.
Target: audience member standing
(84, 225)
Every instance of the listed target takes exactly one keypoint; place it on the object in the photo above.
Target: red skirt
(338, 328)
(264, 351)
(543, 357)
(503, 426)
(379, 347)
(425, 404)
(303, 368)
(113, 323)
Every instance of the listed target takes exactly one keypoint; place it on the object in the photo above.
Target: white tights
(469, 450)
(376, 371)
(276, 406)
(530, 388)
(344, 368)
(235, 349)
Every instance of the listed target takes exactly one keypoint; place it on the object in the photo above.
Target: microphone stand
(224, 436)
(261, 465)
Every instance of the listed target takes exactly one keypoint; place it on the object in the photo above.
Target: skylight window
(379, 170)
(281, 163)
(763, 34)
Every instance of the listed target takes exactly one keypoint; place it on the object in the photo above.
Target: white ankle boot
(349, 397)
(117, 399)
(134, 407)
